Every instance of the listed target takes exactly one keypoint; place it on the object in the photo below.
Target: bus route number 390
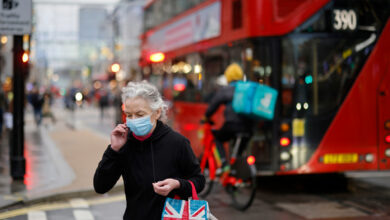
(344, 20)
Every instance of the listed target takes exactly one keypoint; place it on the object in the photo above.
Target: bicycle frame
(211, 156)
(208, 143)
(234, 178)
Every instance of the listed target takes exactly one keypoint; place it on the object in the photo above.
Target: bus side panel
(354, 130)
(259, 18)
(187, 117)
(384, 116)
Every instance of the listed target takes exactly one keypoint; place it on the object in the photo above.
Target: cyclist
(234, 123)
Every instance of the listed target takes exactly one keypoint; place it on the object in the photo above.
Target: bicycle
(239, 181)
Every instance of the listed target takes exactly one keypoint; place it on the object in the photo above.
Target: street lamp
(115, 67)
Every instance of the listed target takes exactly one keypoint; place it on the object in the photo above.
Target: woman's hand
(166, 186)
(119, 137)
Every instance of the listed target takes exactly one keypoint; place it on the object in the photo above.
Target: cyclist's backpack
(254, 100)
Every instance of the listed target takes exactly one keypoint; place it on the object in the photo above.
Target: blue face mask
(140, 126)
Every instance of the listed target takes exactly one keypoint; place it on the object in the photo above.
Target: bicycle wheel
(208, 186)
(242, 187)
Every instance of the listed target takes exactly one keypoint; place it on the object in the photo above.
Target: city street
(358, 195)
(285, 104)
(363, 200)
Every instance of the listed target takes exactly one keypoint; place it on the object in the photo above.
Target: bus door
(384, 121)
(264, 68)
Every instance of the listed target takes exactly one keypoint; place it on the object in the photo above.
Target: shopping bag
(191, 209)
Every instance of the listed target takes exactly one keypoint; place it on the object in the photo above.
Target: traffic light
(25, 57)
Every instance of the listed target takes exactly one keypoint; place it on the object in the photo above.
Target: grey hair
(148, 92)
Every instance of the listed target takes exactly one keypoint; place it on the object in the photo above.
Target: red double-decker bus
(328, 59)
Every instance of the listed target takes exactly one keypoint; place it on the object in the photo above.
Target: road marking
(79, 203)
(24, 211)
(83, 215)
(107, 200)
(13, 197)
(56, 206)
(36, 215)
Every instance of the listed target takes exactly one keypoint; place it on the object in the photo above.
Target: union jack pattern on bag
(193, 209)
(181, 209)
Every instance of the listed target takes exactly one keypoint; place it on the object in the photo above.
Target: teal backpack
(254, 100)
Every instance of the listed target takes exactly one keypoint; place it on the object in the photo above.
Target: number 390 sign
(344, 20)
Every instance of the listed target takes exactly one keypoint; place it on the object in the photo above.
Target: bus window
(262, 65)
(164, 10)
(320, 64)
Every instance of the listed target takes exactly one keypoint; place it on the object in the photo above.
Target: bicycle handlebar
(208, 121)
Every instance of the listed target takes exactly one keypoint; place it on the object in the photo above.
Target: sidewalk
(60, 160)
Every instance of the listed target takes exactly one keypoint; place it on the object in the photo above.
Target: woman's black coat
(165, 154)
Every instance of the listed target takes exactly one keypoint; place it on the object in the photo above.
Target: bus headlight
(387, 152)
(369, 158)
(284, 156)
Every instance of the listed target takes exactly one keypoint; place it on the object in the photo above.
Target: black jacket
(166, 154)
(224, 96)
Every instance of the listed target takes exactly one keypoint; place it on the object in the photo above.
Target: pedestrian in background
(153, 160)
(8, 115)
(46, 107)
(103, 102)
(3, 107)
(36, 100)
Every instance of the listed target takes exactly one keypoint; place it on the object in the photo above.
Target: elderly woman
(153, 160)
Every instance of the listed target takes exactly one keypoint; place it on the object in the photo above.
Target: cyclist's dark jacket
(224, 96)
(171, 156)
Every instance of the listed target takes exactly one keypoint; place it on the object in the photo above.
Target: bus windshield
(322, 58)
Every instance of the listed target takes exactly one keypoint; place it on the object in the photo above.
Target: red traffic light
(284, 141)
(251, 160)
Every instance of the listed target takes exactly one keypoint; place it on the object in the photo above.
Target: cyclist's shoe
(225, 173)
(226, 168)
(222, 170)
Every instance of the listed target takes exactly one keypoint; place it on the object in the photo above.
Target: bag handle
(194, 194)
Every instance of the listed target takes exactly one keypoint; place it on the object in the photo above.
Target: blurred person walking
(8, 114)
(70, 105)
(46, 108)
(117, 103)
(36, 100)
(153, 160)
(103, 102)
(3, 108)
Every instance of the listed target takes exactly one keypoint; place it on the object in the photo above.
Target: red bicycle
(240, 180)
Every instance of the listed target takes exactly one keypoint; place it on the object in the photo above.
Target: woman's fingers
(162, 183)
(120, 129)
(119, 137)
(164, 187)
(161, 189)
